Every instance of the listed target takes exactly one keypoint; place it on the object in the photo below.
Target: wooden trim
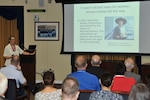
(87, 91)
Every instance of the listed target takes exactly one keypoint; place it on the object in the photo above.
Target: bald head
(15, 60)
(129, 63)
(95, 60)
(80, 62)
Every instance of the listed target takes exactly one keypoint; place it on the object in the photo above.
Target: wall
(145, 59)
(48, 52)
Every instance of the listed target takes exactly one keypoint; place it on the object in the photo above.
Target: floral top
(56, 95)
(105, 95)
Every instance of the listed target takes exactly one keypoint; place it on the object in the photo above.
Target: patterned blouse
(105, 95)
(56, 95)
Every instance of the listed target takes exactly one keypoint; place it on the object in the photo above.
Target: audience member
(13, 49)
(49, 92)
(105, 93)
(139, 92)
(70, 89)
(95, 68)
(86, 80)
(13, 71)
(135, 69)
(3, 86)
(121, 83)
(129, 63)
(148, 81)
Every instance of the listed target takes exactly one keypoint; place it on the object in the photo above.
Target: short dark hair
(139, 92)
(106, 79)
(11, 37)
(70, 87)
(48, 77)
(120, 68)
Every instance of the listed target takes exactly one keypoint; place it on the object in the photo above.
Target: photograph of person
(119, 28)
(120, 31)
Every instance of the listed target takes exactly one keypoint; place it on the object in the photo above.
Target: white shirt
(123, 32)
(8, 51)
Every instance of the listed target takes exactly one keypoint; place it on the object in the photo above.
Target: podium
(28, 64)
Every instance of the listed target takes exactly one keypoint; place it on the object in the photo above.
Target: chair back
(85, 94)
(11, 92)
(123, 94)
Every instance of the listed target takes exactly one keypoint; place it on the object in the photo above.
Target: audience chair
(85, 94)
(123, 94)
(11, 93)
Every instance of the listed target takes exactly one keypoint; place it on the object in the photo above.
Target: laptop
(31, 48)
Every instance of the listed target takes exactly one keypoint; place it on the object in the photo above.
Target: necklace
(13, 47)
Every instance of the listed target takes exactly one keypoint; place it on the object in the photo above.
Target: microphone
(23, 47)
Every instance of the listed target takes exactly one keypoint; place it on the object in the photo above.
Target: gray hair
(70, 87)
(128, 64)
(3, 83)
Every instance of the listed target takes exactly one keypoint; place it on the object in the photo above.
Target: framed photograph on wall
(46, 31)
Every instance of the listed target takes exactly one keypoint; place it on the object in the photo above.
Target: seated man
(13, 71)
(70, 89)
(95, 68)
(3, 86)
(129, 63)
(86, 80)
(121, 83)
(105, 93)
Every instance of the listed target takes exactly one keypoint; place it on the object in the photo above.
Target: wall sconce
(49, 1)
(26, 1)
(36, 18)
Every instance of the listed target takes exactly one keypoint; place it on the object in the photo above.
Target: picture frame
(46, 31)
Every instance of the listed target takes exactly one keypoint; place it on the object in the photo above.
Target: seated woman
(121, 83)
(139, 92)
(105, 93)
(49, 92)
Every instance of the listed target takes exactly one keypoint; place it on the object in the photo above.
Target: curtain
(15, 12)
(7, 28)
(11, 23)
(106, 57)
(111, 58)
